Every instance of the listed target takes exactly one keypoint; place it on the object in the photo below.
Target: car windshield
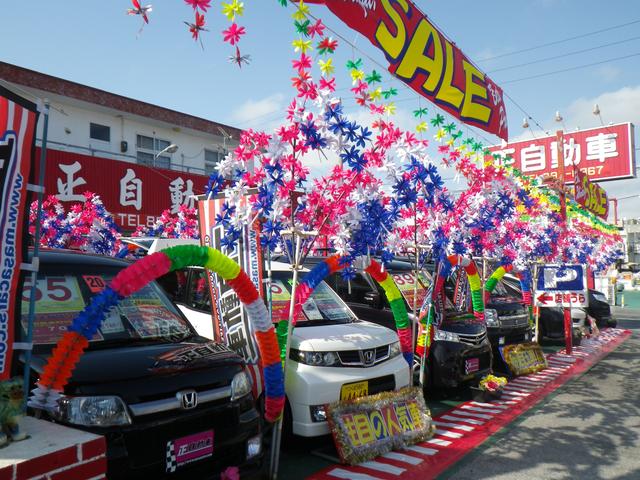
(323, 306)
(63, 291)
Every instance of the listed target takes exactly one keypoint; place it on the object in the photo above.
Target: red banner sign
(591, 195)
(18, 119)
(134, 194)
(603, 153)
(422, 57)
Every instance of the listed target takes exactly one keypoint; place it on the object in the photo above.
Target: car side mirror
(372, 299)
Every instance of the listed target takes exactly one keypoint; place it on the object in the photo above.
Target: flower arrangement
(491, 383)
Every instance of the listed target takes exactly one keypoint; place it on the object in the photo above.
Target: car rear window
(61, 293)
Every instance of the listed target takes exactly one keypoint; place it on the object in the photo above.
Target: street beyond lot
(590, 428)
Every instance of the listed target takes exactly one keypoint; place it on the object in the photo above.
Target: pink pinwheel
(328, 84)
(233, 33)
(199, 4)
(316, 29)
(197, 27)
(303, 63)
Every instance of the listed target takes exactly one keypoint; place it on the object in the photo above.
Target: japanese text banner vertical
(423, 58)
(18, 119)
(231, 323)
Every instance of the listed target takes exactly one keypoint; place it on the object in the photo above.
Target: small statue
(11, 404)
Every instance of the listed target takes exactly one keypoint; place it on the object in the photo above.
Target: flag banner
(231, 323)
(591, 195)
(18, 119)
(423, 58)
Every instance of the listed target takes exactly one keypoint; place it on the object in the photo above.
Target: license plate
(354, 390)
(471, 365)
(188, 450)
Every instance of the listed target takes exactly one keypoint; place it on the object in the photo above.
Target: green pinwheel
(389, 93)
(437, 120)
(373, 77)
(354, 64)
(420, 112)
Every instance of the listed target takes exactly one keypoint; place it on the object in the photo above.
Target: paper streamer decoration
(525, 285)
(71, 346)
(493, 280)
(335, 263)
(474, 282)
(396, 302)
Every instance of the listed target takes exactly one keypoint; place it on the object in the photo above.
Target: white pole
(277, 434)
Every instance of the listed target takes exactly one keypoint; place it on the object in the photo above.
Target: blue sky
(93, 42)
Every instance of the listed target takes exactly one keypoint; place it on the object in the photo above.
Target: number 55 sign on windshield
(561, 286)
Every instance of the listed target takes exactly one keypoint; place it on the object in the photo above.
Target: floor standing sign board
(18, 120)
(561, 286)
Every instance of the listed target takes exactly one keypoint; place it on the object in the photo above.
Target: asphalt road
(590, 427)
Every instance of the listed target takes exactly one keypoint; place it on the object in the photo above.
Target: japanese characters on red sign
(422, 57)
(603, 153)
(134, 194)
(591, 195)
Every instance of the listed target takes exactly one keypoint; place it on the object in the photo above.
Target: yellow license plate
(354, 390)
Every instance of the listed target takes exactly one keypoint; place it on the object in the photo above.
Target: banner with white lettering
(231, 323)
(18, 119)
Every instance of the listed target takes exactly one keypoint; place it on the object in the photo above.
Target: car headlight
(394, 349)
(491, 317)
(92, 411)
(240, 385)
(443, 335)
(315, 359)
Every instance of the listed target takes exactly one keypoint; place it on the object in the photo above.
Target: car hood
(347, 336)
(144, 372)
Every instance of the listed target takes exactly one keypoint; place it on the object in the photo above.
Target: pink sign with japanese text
(603, 153)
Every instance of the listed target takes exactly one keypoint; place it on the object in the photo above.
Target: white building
(140, 158)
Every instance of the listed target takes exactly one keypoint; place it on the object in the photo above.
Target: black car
(600, 309)
(506, 316)
(460, 352)
(147, 381)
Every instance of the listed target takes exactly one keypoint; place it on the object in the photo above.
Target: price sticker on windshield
(95, 283)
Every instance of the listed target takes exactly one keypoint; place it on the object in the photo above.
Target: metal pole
(568, 327)
(277, 434)
(36, 251)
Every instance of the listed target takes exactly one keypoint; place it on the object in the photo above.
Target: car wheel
(613, 323)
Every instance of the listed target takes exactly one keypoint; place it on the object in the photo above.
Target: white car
(333, 354)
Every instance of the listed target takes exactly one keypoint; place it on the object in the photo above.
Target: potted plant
(489, 388)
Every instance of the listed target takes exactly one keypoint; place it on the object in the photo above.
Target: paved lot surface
(589, 429)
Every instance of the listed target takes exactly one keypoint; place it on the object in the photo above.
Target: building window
(211, 159)
(99, 132)
(147, 149)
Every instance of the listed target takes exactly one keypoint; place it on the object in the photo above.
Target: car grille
(357, 358)
(519, 320)
(472, 339)
(214, 396)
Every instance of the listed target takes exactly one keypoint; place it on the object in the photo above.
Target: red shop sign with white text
(603, 153)
(134, 194)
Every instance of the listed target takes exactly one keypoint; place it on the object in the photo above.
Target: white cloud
(261, 114)
(608, 73)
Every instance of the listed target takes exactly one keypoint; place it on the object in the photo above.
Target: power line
(555, 57)
(569, 69)
(558, 41)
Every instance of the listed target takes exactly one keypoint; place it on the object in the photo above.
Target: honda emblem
(188, 399)
(368, 356)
